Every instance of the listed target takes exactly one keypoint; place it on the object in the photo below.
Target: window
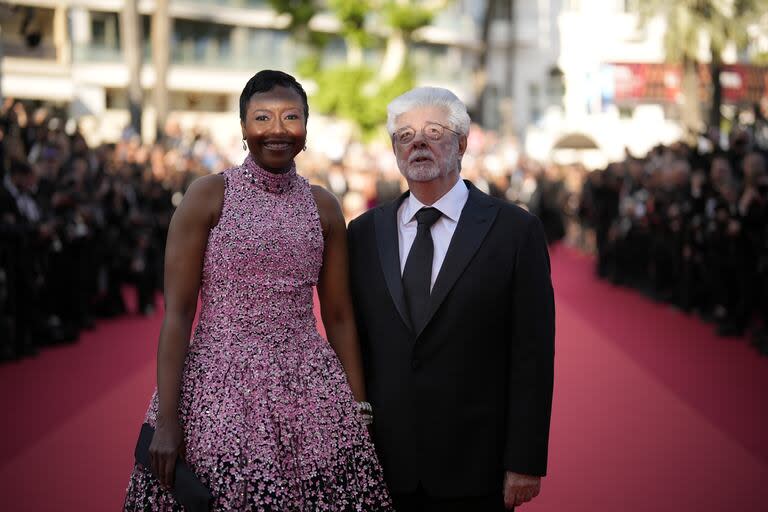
(436, 62)
(504, 10)
(270, 48)
(534, 111)
(105, 30)
(201, 42)
(335, 52)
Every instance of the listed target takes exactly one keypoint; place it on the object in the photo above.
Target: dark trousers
(420, 501)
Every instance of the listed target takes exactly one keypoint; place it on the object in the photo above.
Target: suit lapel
(385, 221)
(475, 221)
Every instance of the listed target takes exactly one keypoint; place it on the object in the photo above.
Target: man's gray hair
(458, 119)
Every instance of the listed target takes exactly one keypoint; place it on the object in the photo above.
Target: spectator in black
(20, 234)
(753, 210)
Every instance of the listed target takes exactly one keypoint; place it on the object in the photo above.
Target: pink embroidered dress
(269, 421)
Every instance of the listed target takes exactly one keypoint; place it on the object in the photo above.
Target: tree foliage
(407, 17)
(357, 91)
(351, 15)
(300, 11)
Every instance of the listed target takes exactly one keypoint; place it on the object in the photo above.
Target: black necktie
(417, 275)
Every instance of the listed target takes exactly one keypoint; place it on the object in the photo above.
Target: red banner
(633, 82)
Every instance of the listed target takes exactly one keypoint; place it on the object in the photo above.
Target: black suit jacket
(470, 395)
(18, 225)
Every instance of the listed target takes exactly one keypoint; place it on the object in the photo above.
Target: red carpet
(652, 412)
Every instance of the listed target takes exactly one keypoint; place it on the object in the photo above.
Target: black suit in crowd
(469, 395)
(17, 277)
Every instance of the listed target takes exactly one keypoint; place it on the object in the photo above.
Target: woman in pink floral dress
(263, 409)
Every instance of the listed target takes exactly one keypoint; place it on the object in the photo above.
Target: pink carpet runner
(652, 412)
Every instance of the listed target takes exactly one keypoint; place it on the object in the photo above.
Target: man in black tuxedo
(455, 311)
(19, 231)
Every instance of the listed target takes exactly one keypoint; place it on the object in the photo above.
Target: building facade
(593, 36)
(69, 52)
(619, 92)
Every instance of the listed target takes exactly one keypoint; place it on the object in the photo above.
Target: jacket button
(415, 364)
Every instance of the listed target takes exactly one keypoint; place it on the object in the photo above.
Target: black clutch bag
(188, 490)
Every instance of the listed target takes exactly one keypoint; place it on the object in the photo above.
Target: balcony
(19, 49)
(202, 56)
(242, 4)
(96, 53)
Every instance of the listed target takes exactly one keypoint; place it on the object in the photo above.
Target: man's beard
(430, 171)
(423, 173)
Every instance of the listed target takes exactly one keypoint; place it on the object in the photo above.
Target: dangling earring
(305, 147)
(245, 148)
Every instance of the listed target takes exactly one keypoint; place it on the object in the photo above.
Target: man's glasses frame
(432, 131)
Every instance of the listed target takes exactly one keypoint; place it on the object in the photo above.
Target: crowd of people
(79, 224)
(690, 228)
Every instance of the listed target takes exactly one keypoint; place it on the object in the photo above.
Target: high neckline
(269, 181)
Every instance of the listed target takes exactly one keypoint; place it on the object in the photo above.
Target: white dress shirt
(450, 205)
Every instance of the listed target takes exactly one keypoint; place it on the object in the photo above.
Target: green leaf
(407, 17)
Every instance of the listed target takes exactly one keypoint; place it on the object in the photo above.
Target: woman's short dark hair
(265, 81)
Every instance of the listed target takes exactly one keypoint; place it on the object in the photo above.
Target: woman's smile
(278, 145)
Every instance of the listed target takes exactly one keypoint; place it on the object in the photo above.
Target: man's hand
(519, 489)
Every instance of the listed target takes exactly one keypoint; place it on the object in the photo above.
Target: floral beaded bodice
(264, 255)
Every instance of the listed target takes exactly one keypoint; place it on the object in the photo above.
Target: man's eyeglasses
(432, 131)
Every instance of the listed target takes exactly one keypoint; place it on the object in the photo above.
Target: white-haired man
(455, 311)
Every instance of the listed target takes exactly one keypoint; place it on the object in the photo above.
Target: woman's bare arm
(333, 289)
(185, 249)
